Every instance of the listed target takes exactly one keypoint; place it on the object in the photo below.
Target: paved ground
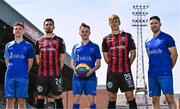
(142, 107)
(2, 106)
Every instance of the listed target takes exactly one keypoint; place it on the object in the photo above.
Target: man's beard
(155, 30)
(49, 31)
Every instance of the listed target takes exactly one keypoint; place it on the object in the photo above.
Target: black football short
(117, 80)
(48, 84)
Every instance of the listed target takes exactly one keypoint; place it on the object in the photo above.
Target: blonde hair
(114, 17)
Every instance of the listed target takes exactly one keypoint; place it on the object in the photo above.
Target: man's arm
(174, 55)
(37, 59)
(132, 56)
(30, 63)
(97, 66)
(73, 67)
(62, 59)
(106, 57)
(6, 61)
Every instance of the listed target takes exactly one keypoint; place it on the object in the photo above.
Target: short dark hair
(155, 17)
(84, 25)
(19, 24)
(48, 19)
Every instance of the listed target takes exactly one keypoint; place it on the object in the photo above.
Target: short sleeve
(6, 52)
(104, 46)
(37, 48)
(98, 54)
(30, 51)
(132, 44)
(62, 47)
(170, 42)
(73, 55)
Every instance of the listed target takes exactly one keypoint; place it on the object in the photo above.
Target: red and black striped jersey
(49, 50)
(118, 47)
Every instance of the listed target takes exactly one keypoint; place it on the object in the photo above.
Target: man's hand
(75, 73)
(89, 73)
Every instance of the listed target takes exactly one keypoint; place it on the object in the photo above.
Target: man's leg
(31, 89)
(112, 100)
(9, 89)
(171, 101)
(90, 91)
(78, 87)
(154, 91)
(58, 102)
(131, 99)
(40, 102)
(42, 91)
(91, 99)
(21, 92)
(56, 88)
(10, 103)
(127, 86)
(166, 83)
(156, 102)
(112, 86)
(76, 103)
(21, 103)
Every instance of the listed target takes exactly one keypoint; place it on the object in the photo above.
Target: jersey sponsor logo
(154, 51)
(48, 49)
(109, 84)
(17, 56)
(118, 47)
(83, 58)
(39, 88)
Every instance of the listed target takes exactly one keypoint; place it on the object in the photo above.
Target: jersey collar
(86, 43)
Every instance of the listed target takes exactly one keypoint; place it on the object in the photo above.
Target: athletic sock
(112, 105)
(40, 103)
(76, 106)
(132, 104)
(58, 104)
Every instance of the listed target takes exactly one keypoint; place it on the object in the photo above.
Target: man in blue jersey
(162, 53)
(85, 53)
(18, 58)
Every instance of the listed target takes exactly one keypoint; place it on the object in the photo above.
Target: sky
(69, 14)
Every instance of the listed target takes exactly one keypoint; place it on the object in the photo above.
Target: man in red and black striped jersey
(119, 52)
(50, 56)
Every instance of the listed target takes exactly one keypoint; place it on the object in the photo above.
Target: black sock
(112, 105)
(58, 104)
(132, 104)
(40, 103)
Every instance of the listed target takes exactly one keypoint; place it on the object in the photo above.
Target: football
(82, 69)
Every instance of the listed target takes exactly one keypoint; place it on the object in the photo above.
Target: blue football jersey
(160, 62)
(18, 55)
(86, 54)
